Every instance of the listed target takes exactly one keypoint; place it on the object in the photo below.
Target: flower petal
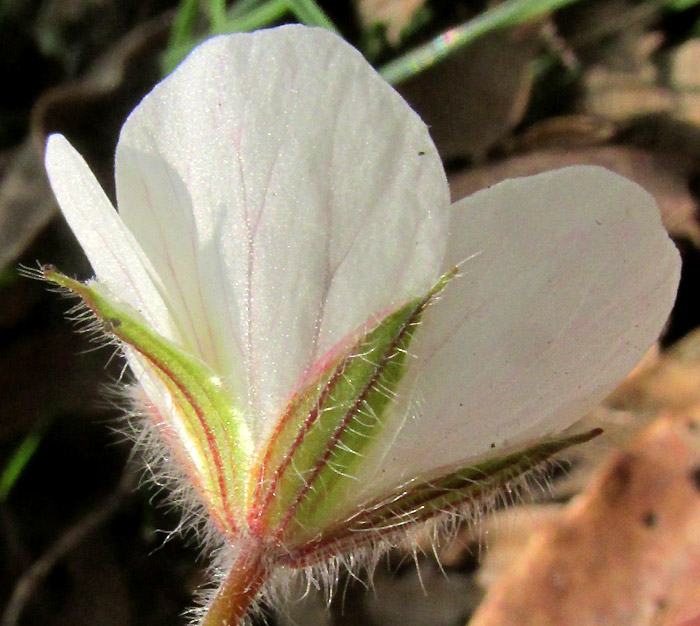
(284, 193)
(115, 256)
(569, 278)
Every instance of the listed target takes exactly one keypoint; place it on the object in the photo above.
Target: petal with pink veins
(284, 193)
(566, 280)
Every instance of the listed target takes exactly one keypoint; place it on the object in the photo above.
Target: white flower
(284, 221)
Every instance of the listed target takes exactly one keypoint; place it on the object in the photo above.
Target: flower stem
(237, 592)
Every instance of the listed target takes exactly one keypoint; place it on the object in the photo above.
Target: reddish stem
(238, 591)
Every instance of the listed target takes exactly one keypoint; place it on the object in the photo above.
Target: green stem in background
(242, 7)
(243, 16)
(18, 461)
(510, 13)
(258, 16)
(309, 13)
(681, 5)
(184, 23)
(8, 276)
(238, 591)
(217, 14)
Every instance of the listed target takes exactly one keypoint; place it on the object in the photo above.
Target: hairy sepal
(298, 485)
(210, 424)
(420, 501)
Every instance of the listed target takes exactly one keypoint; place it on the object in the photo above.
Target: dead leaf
(671, 383)
(26, 202)
(565, 131)
(615, 34)
(625, 552)
(478, 95)
(620, 96)
(502, 534)
(685, 65)
(622, 79)
(685, 79)
(90, 112)
(394, 14)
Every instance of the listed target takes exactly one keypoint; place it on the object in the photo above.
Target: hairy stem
(238, 590)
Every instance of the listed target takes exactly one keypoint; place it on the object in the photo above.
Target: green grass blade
(309, 13)
(217, 14)
(509, 13)
(247, 15)
(18, 461)
(8, 276)
(241, 7)
(258, 17)
(184, 23)
(681, 5)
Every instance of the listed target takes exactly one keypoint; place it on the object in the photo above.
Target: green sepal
(209, 420)
(425, 499)
(419, 501)
(311, 457)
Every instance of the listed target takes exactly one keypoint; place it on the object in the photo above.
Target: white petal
(285, 193)
(115, 256)
(569, 279)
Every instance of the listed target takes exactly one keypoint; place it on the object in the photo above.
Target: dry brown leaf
(685, 79)
(563, 132)
(90, 112)
(671, 88)
(613, 40)
(624, 80)
(506, 534)
(671, 383)
(620, 96)
(394, 14)
(625, 552)
(685, 65)
(26, 203)
(612, 33)
(478, 95)
(503, 534)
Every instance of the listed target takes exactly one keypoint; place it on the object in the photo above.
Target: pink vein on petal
(168, 259)
(125, 268)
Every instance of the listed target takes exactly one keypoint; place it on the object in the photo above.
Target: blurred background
(611, 535)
